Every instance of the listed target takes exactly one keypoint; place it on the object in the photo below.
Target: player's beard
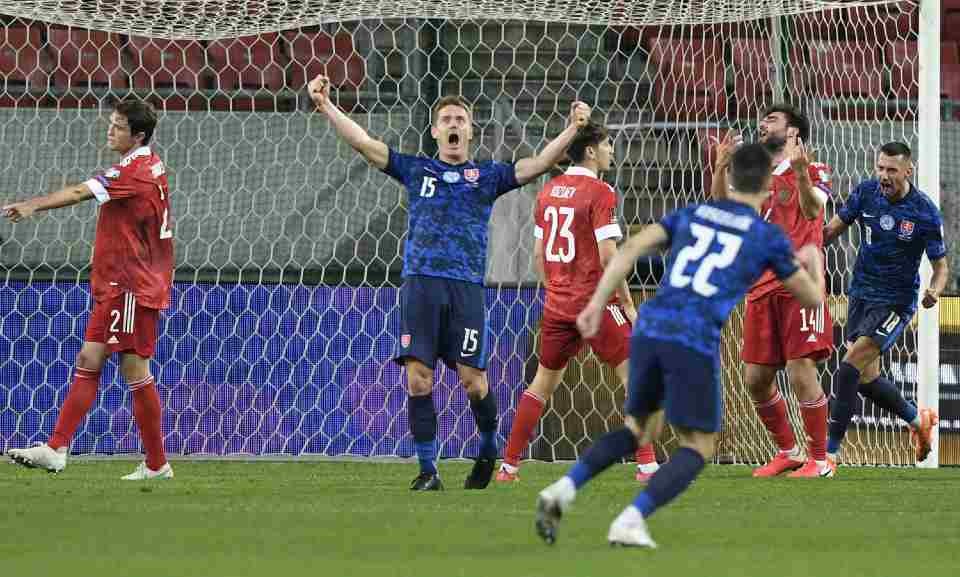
(775, 144)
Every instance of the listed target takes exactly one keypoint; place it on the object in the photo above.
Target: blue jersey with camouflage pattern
(895, 236)
(717, 251)
(449, 208)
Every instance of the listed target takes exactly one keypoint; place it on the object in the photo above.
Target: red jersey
(574, 212)
(133, 251)
(782, 207)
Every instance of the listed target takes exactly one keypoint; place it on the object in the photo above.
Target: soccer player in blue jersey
(717, 250)
(442, 298)
(899, 223)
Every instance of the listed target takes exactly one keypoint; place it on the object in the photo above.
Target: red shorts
(777, 329)
(124, 326)
(560, 340)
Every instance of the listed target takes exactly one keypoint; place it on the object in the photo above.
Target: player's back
(574, 212)
(717, 251)
(134, 241)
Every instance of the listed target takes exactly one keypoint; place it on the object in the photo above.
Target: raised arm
(647, 241)
(530, 168)
(811, 197)
(67, 196)
(375, 151)
(807, 284)
(834, 229)
(608, 250)
(723, 152)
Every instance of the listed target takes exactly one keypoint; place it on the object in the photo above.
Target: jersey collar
(782, 167)
(580, 171)
(139, 151)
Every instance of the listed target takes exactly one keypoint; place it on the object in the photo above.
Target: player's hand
(631, 313)
(723, 149)
(588, 321)
(579, 114)
(810, 259)
(930, 298)
(319, 89)
(17, 211)
(800, 157)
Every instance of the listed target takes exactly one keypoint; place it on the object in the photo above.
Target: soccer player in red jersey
(130, 281)
(576, 236)
(777, 331)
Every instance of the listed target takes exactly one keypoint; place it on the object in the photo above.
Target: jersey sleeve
(669, 222)
(604, 215)
(820, 179)
(850, 211)
(505, 176)
(935, 247)
(400, 167)
(780, 259)
(114, 183)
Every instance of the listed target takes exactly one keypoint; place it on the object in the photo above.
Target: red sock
(814, 414)
(80, 397)
(773, 413)
(646, 455)
(528, 415)
(147, 412)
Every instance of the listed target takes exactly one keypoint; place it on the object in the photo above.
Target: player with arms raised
(717, 250)
(442, 298)
(576, 236)
(899, 224)
(130, 280)
(778, 331)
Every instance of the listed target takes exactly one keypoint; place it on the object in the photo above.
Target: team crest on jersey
(887, 222)
(906, 229)
(405, 341)
(784, 195)
(471, 174)
(451, 177)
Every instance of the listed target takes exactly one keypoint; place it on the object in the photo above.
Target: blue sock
(843, 405)
(608, 450)
(887, 396)
(485, 416)
(423, 427)
(670, 480)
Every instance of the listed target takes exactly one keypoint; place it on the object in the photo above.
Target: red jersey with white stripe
(574, 211)
(782, 207)
(133, 252)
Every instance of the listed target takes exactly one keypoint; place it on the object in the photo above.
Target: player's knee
(636, 426)
(419, 380)
(475, 384)
(761, 390)
(702, 442)
(89, 360)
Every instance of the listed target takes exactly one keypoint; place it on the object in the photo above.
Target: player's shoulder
(925, 203)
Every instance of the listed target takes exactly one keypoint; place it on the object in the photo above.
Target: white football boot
(39, 456)
(552, 502)
(629, 529)
(144, 473)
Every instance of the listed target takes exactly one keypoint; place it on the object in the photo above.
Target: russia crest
(405, 341)
(906, 228)
(471, 174)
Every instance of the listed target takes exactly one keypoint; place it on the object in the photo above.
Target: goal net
(285, 311)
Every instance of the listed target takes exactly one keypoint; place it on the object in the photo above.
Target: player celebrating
(899, 223)
(717, 250)
(777, 330)
(442, 298)
(576, 216)
(130, 281)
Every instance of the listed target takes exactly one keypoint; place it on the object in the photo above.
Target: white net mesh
(289, 246)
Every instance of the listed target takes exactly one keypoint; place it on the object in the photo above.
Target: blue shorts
(681, 381)
(442, 318)
(884, 323)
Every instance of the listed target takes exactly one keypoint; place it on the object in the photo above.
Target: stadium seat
(168, 71)
(839, 69)
(903, 63)
(253, 64)
(753, 66)
(86, 60)
(950, 25)
(313, 53)
(689, 79)
(23, 73)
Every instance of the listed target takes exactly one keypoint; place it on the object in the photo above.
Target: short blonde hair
(451, 101)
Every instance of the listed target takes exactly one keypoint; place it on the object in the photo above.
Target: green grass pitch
(328, 518)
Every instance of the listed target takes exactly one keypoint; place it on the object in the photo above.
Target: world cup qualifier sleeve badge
(405, 341)
(906, 230)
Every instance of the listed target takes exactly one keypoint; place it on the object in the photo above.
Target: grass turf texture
(323, 518)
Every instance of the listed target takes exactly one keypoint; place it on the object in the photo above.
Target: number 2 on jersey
(552, 216)
(730, 246)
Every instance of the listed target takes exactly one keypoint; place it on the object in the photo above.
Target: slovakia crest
(471, 174)
(405, 341)
(906, 229)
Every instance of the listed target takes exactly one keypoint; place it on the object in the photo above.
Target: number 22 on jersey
(706, 262)
(558, 221)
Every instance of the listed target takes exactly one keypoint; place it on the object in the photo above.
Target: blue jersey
(717, 251)
(895, 236)
(449, 208)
